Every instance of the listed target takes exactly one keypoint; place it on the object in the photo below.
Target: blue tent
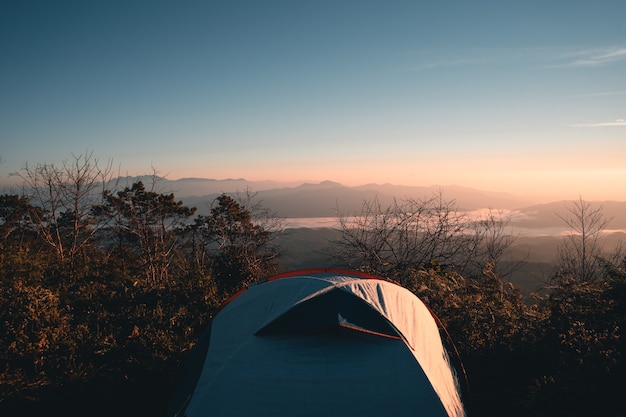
(321, 343)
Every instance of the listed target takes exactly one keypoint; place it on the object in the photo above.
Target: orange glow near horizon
(540, 178)
(542, 185)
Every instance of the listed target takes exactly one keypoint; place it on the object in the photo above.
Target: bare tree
(64, 196)
(416, 234)
(580, 251)
(491, 246)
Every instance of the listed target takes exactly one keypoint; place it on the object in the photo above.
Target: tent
(320, 343)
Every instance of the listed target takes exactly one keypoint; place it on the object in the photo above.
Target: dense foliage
(99, 310)
(102, 299)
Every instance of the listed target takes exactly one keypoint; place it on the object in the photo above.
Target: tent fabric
(324, 342)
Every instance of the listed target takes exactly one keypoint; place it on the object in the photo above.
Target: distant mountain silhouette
(327, 198)
(198, 187)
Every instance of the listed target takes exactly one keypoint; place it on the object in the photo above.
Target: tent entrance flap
(331, 310)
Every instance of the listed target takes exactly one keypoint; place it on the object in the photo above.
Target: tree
(148, 219)
(491, 246)
(16, 225)
(583, 345)
(580, 251)
(234, 242)
(61, 199)
(413, 234)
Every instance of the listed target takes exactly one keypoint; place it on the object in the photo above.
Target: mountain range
(328, 198)
(293, 199)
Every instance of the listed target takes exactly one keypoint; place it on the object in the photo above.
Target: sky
(527, 97)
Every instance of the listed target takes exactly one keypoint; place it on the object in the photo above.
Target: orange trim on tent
(362, 330)
(337, 271)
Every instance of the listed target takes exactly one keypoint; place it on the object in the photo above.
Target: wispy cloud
(592, 57)
(545, 56)
(433, 59)
(618, 122)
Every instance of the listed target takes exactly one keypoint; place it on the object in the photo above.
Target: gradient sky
(521, 96)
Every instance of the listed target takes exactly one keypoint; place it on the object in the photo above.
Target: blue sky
(526, 97)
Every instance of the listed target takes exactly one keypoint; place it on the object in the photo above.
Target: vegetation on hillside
(104, 289)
